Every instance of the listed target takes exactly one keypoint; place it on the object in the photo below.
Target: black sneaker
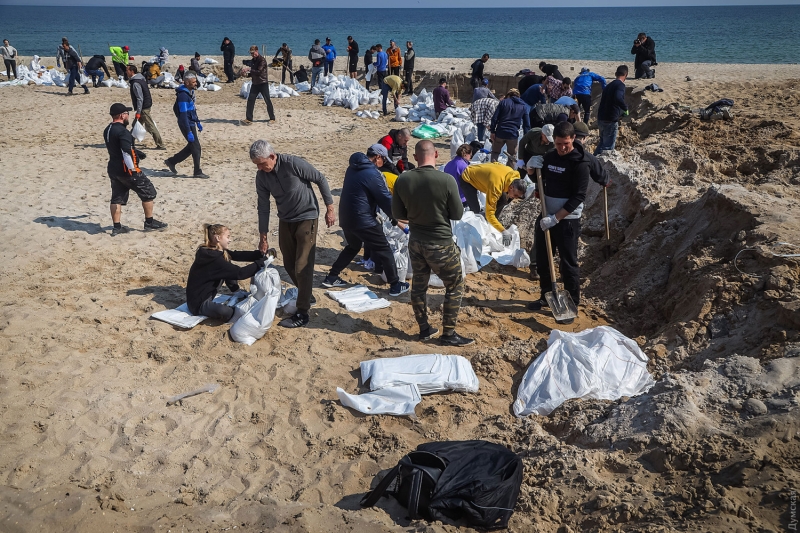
(297, 320)
(454, 340)
(538, 305)
(85, 90)
(427, 333)
(171, 167)
(201, 176)
(120, 230)
(313, 302)
(334, 282)
(154, 225)
(399, 288)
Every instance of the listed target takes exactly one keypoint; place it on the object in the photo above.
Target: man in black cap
(124, 172)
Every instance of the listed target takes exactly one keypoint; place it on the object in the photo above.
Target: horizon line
(174, 4)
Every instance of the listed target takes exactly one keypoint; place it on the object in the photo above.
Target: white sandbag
(138, 131)
(209, 61)
(505, 255)
(358, 299)
(352, 101)
(303, 86)
(254, 323)
(244, 91)
(399, 401)
(83, 79)
(211, 78)
(106, 83)
(212, 87)
(520, 259)
(429, 372)
(599, 363)
(288, 301)
(469, 239)
(456, 141)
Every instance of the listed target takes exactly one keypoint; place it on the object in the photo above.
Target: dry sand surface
(88, 444)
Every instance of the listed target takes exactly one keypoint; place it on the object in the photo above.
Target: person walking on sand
(565, 177)
(228, 53)
(363, 192)
(330, 55)
(611, 109)
(211, 267)
(288, 179)
(73, 64)
(259, 73)
(142, 102)
(429, 200)
(189, 124)
(476, 78)
(511, 112)
(395, 59)
(317, 57)
(582, 90)
(408, 67)
(286, 62)
(9, 54)
(120, 60)
(124, 173)
(352, 57)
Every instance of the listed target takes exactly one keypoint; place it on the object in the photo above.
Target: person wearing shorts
(124, 172)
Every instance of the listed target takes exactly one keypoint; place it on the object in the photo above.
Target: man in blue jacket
(330, 55)
(511, 112)
(612, 108)
(381, 64)
(582, 90)
(364, 190)
(189, 125)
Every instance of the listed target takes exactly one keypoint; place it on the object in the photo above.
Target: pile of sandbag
(275, 91)
(302, 87)
(421, 108)
(42, 76)
(344, 91)
(368, 114)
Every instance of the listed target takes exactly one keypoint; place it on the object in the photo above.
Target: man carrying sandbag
(500, 184)
(363, 192)
(142, 102)
(288, 179)
(74, 65)
(429, 200)
(123, 170)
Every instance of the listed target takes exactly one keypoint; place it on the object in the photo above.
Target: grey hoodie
(316, 53)
(290, 183)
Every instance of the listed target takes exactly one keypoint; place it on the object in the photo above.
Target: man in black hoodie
(644, 48)
(95, 67)
(476, 79)
(565, 176)
(228, 53)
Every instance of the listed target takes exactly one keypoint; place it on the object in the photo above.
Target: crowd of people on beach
(417, 197)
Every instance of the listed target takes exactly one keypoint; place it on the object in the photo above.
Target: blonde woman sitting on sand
(212, 265)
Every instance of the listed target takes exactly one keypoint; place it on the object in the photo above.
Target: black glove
(261, 262)
(140, 155)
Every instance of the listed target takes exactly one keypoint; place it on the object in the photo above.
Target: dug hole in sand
(89, 443)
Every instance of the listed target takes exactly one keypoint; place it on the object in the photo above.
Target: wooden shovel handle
(547, 231)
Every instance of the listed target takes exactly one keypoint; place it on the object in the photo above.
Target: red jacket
(397, 153)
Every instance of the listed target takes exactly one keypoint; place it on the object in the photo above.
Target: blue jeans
(644, 70)
(608, 136)
(481, 132)
(74, 78)
(329, 66)
(95, 74)
(385, 90)
(315, 72)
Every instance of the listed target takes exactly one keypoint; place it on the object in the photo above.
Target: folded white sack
(599, 363)
(430, 372)
(359, 299)
(181, 316)
(389, 401)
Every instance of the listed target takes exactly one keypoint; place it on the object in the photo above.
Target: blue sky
(395, 3)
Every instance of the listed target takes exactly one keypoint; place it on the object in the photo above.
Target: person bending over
(212, 265)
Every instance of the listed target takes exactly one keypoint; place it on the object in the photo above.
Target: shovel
(560, 302)
(607, 247)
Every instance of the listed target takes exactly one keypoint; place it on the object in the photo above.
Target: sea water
(719, 34)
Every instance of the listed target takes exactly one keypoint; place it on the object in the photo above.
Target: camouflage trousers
(445, 262)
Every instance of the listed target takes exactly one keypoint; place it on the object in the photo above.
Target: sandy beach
(87, 442)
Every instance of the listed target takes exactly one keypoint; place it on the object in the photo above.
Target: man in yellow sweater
(500, 184)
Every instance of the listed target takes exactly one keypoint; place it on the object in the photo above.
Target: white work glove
(536, 161)
(548, 222)
(506, 238)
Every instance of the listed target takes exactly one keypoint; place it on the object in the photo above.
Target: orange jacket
(395, 58)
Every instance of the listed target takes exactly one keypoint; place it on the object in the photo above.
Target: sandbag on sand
(599, 363)
(430, 372)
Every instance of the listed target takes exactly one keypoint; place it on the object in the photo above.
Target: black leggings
(374, 239)
(11, 66)
(255, 90)
(585, 102)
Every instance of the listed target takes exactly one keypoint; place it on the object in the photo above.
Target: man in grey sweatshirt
(317, 57)
(288, 179)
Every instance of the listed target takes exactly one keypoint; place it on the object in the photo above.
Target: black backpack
(474, 480)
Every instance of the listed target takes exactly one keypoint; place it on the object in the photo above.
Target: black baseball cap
(118, 109)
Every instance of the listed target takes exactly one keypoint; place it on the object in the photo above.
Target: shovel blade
(561, 305)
